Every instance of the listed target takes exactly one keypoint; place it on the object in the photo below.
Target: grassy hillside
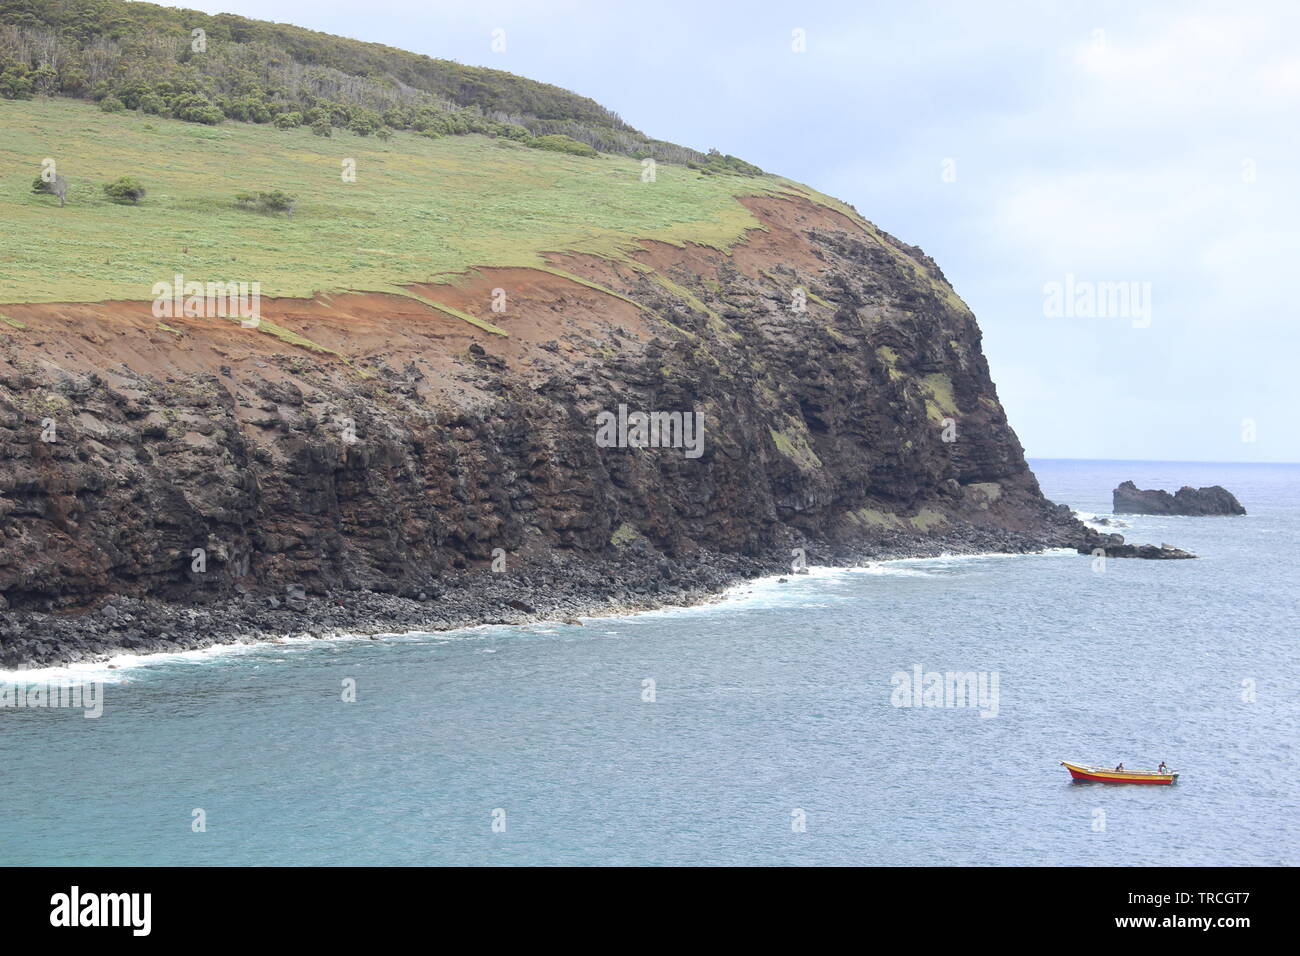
(420, 207)
(117, 27)
(187, 65)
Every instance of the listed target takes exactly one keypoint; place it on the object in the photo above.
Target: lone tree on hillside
(58, 186)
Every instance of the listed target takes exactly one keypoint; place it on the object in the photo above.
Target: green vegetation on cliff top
(210, 69)
(455, 166)
(420, 209)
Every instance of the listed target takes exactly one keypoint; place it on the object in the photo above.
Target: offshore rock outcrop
(1128, 498)
(358, 446)
(1113, 546)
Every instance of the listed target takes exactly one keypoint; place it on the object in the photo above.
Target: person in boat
(1120, 767)
(1162, 768)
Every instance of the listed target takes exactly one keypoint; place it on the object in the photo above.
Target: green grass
(927, 520)
(289, 337)
(420, 208)
(591, 285)
(890, 358)
(624, 535)
(691, 299)
(940, 403)
(873, 518)
(483, 324)
(793, 443)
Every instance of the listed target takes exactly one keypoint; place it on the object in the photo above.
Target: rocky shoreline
(169, 489)
(634, 580)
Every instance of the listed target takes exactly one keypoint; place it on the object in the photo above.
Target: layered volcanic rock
(367, 441)
(1128, 498)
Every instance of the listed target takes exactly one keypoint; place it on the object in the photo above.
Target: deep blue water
(776, 700)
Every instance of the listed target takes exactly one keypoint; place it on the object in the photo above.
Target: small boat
(1101, 775)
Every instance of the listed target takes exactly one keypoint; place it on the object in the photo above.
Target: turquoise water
(774, 701)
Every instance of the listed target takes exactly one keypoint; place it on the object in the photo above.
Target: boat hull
(1102, 775)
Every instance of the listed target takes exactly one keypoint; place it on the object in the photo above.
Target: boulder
(295, 598)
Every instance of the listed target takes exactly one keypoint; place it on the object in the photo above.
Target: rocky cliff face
(372, 442)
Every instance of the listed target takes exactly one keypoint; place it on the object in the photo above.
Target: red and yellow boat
(1101, 775)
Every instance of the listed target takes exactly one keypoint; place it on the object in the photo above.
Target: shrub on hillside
(559, 143)
(126, 190)
(322, 128)
(111, 104)
(275, 200)
(196, 108)
(15, 84)
(153, 104)
(365, 122)
(288, 120)
(717, 162)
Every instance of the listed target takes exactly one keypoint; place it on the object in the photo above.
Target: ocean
(777, 726)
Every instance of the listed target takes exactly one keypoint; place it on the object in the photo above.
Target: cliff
(498, 363)
(286, 464)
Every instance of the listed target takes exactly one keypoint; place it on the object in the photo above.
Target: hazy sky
(1019, 144)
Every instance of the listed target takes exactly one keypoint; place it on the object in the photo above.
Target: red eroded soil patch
(552, 321)
(781, 243)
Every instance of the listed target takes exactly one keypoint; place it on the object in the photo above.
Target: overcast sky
(1017, 143)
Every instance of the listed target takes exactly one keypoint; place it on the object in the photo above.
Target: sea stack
(1128, 498)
